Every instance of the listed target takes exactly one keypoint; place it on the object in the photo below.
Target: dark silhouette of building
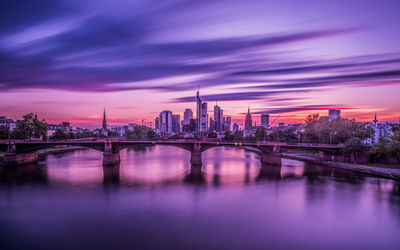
(265, 120)
(248, 123)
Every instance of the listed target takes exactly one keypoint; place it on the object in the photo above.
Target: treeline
(385, 148)
(141, 132)
(321, 130)
(29, 127)
(62, 135)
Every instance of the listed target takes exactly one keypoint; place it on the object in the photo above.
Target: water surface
(155, 199)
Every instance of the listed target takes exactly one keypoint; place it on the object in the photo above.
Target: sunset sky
(67, 59)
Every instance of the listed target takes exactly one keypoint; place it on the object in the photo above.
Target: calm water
(155, 200)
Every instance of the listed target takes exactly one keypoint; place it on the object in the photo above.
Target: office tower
(334, 114)
(188, 114)
(235, 127)
(248, 123)
(221, 120)
(176, 120)
(157, 123)
(212, 125)
(166, 121)
(217, 118)
(265, 120)
(198, 113)
(204, 117)
(227, 123)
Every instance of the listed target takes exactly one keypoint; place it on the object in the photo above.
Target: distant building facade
(235, 127)
(334, 114)
(381, 131)
(176, 124)
(204, 117)
(166, 122)
(187, 115)
(227, 123)
(265, 120)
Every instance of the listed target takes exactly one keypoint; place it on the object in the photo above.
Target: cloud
(299, 108)
(104, 48)
(240, 96)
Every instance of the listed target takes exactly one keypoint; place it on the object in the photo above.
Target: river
(155, 200)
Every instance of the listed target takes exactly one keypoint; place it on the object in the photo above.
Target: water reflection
(29, 174)
(111, 175)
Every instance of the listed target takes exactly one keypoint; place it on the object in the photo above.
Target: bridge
(23, 151)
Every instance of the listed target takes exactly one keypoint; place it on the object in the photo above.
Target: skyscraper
(235, 127)
(265, 120)
(157, 123)
(176, 120)
(188, 114)
(217, 118)
(221, 120)
(227, 123)
(212, 124)
(198, 113)
(334, 114)
(204, 117)
(248, 123)
(166, 121)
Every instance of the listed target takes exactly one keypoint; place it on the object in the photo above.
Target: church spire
(104, 119)
(375, 120)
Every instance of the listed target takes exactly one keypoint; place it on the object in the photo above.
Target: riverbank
(391, 173)
(44, 152)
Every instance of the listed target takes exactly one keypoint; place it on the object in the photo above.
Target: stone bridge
(21, 152)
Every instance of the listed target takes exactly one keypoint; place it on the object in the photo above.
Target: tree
(322, 130)
(59, 135)
(141, 132)
(30, 127)
(394, 145)
(228, 136)
(380, 150)
(261, 134)
(3, 132)
(353, 146)
(212, 135)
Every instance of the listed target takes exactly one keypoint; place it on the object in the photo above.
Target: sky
(67, 59)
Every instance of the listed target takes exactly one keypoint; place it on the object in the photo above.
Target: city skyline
(61, 62)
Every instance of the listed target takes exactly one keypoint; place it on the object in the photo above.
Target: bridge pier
(13, 159)
(195, 155)
(109, 156)
(271, 158)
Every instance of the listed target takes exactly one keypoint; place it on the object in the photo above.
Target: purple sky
(66, 60)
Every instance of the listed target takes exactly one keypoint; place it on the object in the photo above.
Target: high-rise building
(227, 123)
(235, 127)
(157, 123)
(221, 120)
(212, 124)
(187, 115)
(204, 117)
(176, 120)
(217, 118)
(334, 114)
(265, 120)
(198, 113)
(166, 121)
(248, 123)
